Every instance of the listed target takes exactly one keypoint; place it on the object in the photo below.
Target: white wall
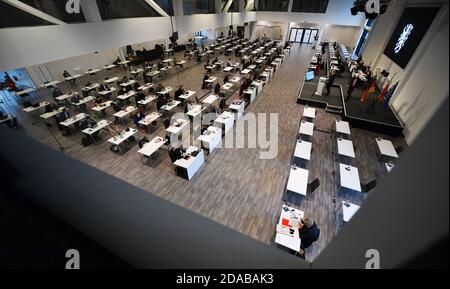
(424, 82)
(342, 34)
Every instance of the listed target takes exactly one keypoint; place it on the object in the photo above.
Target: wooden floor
(236, 188)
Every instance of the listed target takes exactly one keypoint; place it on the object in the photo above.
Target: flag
(388, 95)
(385, 89)
(370, 89)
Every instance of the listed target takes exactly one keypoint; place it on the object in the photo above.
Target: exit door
(302, 35)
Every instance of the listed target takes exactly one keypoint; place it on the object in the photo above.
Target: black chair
(313, 186)
(399, 149)
(369, 186)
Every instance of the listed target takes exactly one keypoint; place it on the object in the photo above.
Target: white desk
(293, 216)
(126, 95)
(349, 177)
(100, 125)
(123, 62)
(251, 92)
(211, 138)
(111, 80)
(152, 146)
(245, 71)
(90, 87)
(171, 105)
(235, 79)
(238, 107)
(72, 120)
(225, 121)
(309, 112)
(73, 77)
(66, 96)
(48, 115)
(177, 127)
(342, 127)
(166, 90)
(105, 92)
(345, 147)
(228, 69)
(211, 79)
(84, 100)
(130, 82)
(109, 66)
(386, 148)
(102, 106)
(303, 150)
(195, 111)
(124, 112)
(187, 94)
(147, 100)
(306, 128)
(227, 86)
(210, 99)
(192, 164)
(123, 136)
(147, 120)
(146, 86)
(349, 211)
(136, 71)
(22, 92)
(31, 108)
(298, 181)
(49, 84)
(93, 71)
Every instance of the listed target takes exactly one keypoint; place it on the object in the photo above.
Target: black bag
(85, 141)
(143, 141)
(114, 148)
(132, 139)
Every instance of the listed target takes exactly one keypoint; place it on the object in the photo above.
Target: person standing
(330, 82)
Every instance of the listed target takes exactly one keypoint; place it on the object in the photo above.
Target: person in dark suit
(204, 83)
(226, 79)
(139, 96)
(179, 92)
(161, 102)
(103, 87)
(56, 93)
(308, 233)
(330, 81)
(67, 74)
(217, 88)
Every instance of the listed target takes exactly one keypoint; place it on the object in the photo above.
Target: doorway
(303, 35)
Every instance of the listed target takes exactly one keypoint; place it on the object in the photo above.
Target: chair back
(369, 186)
(313, 185)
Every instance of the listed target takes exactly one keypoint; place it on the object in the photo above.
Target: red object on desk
(285, 222)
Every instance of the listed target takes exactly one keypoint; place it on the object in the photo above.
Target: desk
(31, 108)
(136, 71)
(251, 92)
(177, 127)
(123, 62)
(130, 82)
(192, 164)
(349, 211)
(66, 96)
(303, 150)
(76, 118)
(105, 92)
(84, 100)
(149, 119)
(259, 85)
(306, 128)
(126, 95)
(210, 99)
(166, 90)
(225, 121)
(50, 84)
(187, 94)
(90, 87)
(102, 106)
(147, 100)
(228, 68)
(293, 216)
(238, 107)
(171, 105)
(109, 66)
(146, 86)
(227, 86)
(298, 181)
(111, 80)
(93, 71)
(211, 138)
(211, 79)
(22, 92)
(125, 112)
(386, 148)
(349, 177)
(151, 147)
(100, 125)
(235, 79)
(345, 148)
(246, 71)
(50, 114)
(123, 136)
(73, 77)
(309, 112)
(342, 127)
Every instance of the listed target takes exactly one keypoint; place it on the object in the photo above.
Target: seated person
(179, 92)
(229, 63)
(189, 106)
(176, 153)
(161, 102)
(225, 79)
(116, 107)
(56, 93)
(136, 85)
(308, 232)
(159, 88)
(75, 98)
(160, 65)
(67, 74)
(98, 99)
(139, 96)
(204, 83)
(217, 88)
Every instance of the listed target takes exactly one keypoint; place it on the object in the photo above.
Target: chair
(313, 185)
(399, 149)
(369, 186)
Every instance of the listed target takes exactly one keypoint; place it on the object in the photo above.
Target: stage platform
(382, 120)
